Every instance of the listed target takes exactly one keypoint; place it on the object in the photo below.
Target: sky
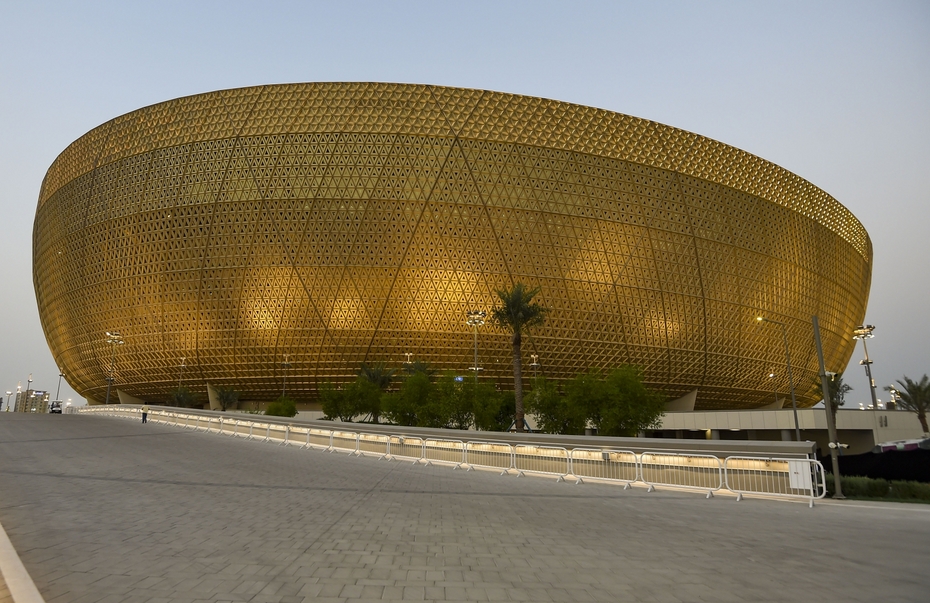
(836, 92)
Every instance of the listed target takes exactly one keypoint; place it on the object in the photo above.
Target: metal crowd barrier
(742, 475)
(793, 478)
(689, 471)
(346, 441)
(546, 460)
(449, 452)
(489, 455)
(620, 466)
(405, 447)
(374, 445)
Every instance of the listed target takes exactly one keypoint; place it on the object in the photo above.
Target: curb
(18, 581)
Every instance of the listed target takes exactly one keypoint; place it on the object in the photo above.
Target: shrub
(865, 487)
(909, 490)
(282, 407)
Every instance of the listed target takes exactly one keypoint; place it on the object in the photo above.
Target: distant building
(31, 400)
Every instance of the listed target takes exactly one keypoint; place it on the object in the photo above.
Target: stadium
(277, 237)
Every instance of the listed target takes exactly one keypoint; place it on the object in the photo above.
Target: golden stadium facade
(293, 232)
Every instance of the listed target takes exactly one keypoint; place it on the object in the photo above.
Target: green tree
(553, 412)
(227, 397)
(618, 404)
(380, 377)
(362, 397)
(838, 391)
(517, 313)
(183, 398)
(633, 407)
(335, 404)
(451, 402)
(404, 406)
(418, 366)
(493, 410)
(915, 397)
(282, 407)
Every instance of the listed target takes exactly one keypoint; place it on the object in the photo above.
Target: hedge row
(866, 487)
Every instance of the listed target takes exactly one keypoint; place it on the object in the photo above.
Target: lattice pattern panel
(336, 224)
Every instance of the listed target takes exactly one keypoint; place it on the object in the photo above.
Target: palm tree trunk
(518, 383)
(923, 421)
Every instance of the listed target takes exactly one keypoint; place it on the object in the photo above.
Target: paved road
(104, 509)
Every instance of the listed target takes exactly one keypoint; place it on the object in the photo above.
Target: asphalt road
(106, 509)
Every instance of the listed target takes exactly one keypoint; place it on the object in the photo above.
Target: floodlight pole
(831, 422)
(181, 371)
(286, 366)
(114, 339)
(475, 318)
(794, 404)
(864, 332)
(61, 374)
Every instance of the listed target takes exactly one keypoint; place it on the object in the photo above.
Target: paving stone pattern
(5, 596)
(106, 509)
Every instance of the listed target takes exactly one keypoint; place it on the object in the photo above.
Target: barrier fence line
(546, 460)
(802, 479)
(690, 471)
(489, 455)
(620, 466)
(794, 478)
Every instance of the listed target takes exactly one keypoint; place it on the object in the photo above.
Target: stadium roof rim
(424, 109)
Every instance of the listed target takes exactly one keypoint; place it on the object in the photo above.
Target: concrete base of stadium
(860, 429)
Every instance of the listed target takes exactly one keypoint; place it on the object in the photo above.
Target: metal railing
(489, 455)
(609, 465)
(546, 460)
(688, 471)
(789, 478)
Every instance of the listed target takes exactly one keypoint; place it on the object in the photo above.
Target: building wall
(294, 232)
(860, 429)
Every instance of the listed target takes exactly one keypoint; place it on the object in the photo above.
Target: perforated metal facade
(343, 223)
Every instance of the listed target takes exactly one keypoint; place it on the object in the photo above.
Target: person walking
(145, 413)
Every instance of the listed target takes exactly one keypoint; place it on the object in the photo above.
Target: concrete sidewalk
(104, 509)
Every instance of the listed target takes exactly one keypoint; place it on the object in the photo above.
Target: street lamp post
(61, 374)
(181, 371)
(114, 339)
(774, 386)
(794, 404)
(286, 364)
(535, 365)
(475, 318)
(864, 332)
(27, 398)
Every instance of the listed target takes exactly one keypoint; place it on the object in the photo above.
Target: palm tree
(418, 366)
(517, 312)
(915, 397)
(838, 391)
(380, 377)
(377, 374)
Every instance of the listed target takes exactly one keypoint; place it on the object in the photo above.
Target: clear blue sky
(837, 92)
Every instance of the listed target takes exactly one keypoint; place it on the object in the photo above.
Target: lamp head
(475, 318)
